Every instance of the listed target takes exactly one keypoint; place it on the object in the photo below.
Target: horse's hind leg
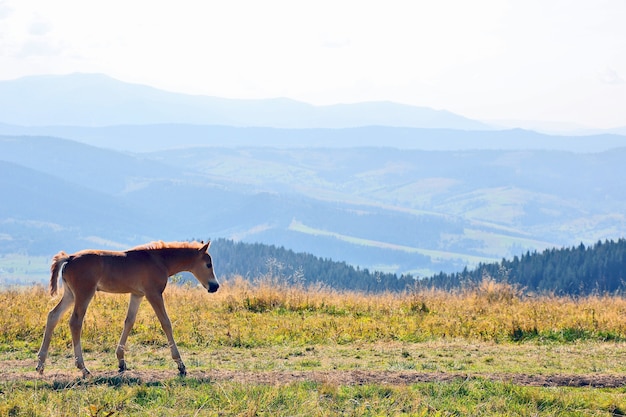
(133, 306)
(53, 319)
(76, 327)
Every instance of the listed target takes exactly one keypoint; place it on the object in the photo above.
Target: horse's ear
(205, 247)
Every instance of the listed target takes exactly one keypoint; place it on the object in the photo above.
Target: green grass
(188, 397)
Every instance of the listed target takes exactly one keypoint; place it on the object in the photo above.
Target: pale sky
(545, 60)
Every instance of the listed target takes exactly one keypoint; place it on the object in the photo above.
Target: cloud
(39, 28)
(5, 10)
(610, 76)
(334, 41)
(34, 48)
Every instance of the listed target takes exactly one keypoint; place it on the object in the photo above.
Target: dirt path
(407, 377)
(354, 377)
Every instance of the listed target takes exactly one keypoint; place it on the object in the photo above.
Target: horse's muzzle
(213, 286)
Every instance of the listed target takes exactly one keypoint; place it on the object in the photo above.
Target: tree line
(578, 270)
(252, 260)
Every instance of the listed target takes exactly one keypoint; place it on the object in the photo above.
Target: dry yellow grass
(268, 312)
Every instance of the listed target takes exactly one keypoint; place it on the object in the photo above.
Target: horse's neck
(176, 260)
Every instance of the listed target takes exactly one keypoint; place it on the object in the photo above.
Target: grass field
(266, 348)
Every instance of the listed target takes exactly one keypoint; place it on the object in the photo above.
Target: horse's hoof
(39, 369)
(86, 373)
(123, 368)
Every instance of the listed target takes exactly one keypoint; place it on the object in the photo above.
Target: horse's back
(115, 272)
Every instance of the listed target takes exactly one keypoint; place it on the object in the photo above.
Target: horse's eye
(209, 265)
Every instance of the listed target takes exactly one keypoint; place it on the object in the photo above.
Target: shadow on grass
(116, 381)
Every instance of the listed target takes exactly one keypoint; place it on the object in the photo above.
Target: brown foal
(142, 271)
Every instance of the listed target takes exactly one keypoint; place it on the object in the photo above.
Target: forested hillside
(578, 270)
(254, 260)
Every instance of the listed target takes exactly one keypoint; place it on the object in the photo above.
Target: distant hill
(98, 100)
(41, 213)
(159, 137)
(390, 210)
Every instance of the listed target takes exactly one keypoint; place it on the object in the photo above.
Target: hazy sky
(555, 60)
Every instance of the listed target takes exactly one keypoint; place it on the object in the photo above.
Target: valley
(395, 210)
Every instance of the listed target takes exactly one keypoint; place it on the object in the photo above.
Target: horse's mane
(159, 244)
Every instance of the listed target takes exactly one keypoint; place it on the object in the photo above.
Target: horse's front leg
(156, 301)
(133, 307)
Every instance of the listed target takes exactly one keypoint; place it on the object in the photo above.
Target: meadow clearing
(267, 347)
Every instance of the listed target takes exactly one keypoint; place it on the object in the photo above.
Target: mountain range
(159, 137)
(98, 100)
(93, 165)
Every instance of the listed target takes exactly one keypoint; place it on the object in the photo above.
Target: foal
(142, 271)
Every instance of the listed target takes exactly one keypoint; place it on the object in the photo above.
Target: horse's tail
(57, 262)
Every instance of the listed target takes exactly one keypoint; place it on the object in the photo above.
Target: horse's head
(203, 269)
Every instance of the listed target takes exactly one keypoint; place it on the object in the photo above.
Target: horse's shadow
(117, 381)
